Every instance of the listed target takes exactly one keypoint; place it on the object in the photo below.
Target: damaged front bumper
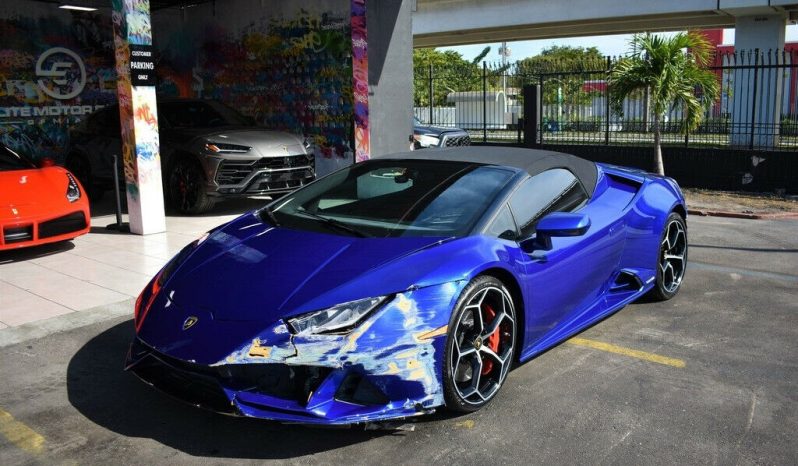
(389, 367)
(302, 394)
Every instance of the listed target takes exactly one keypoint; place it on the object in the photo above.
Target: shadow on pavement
(732, 248)
(116, 400)
(34, 252)
(225, 207)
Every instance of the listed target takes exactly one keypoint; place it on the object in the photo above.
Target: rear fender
(645, 221)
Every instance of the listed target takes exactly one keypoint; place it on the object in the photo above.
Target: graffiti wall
(289, 66)
(56, 67)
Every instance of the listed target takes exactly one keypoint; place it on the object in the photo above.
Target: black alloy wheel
(672, 258)
(480, 345)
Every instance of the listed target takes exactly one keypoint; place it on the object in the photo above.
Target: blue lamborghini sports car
(405, 283)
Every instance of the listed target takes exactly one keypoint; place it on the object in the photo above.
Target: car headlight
(427, 140)
(337, 319)
(73, 191)
(225, 148)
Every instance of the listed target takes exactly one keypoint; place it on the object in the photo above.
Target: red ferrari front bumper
(25, 231)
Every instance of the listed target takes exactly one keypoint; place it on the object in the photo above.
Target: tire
(80, 166)
(671, 259)
(477, 359)
(187, 188)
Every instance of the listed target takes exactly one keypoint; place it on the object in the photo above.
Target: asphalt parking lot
(710, 377)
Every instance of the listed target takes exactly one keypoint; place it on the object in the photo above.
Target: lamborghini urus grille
(236, 171)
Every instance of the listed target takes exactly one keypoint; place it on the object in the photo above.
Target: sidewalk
(98, 269)
(740, 205)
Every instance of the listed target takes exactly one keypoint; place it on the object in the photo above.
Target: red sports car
(39, 205)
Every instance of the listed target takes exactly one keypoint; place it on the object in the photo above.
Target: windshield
(199, 114)
(391, 198)
(10, 160)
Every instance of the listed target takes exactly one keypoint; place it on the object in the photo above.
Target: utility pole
(505, 53)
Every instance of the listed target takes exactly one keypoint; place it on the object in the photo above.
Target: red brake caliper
(492, 341)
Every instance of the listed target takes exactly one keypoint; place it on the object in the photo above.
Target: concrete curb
(42, 328)
(750, 216)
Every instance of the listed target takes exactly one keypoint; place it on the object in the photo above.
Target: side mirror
(45, 162)
(557, 224)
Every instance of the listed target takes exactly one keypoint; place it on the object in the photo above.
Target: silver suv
(208, 152)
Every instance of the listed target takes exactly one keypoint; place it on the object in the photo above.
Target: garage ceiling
(106, 4)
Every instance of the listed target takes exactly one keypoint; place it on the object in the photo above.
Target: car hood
(267, 142)
(435, 130)
(251, 271)
(33, 187)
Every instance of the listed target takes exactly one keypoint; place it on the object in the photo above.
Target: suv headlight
(337, 319)
(427, 140)
(73, 191)
(225, 148)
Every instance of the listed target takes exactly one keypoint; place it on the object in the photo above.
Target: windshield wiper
(266, 210)
(333, 223)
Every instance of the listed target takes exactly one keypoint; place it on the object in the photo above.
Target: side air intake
(626, 281)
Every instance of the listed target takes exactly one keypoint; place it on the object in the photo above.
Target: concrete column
(756, 110)
(138, 115)
(390, 75)
(360, 81)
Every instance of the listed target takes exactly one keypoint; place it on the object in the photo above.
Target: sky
(607, 45)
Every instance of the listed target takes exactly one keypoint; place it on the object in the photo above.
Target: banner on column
(138, 117)
(360, 80)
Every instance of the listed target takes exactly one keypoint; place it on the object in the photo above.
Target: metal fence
(757, 108)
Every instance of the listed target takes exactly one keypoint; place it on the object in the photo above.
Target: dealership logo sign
(64, 69)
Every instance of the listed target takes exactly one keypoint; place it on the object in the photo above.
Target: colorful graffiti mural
(55, 68)
(360, 80)
(289, 70)
(299, 66)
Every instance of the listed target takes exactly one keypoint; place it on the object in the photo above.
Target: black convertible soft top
(534, 161)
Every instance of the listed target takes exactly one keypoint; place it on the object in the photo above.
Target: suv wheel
(187, 188)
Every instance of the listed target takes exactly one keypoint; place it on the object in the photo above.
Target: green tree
(674, 69)
(450, 71)
(563, 69)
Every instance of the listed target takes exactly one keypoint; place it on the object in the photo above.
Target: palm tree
(674, 71)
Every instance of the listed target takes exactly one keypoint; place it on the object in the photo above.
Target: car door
(568, 280)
